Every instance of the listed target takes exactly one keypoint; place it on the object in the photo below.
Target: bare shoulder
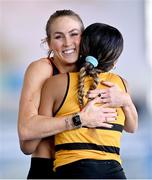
(40, 66)
(35, 76)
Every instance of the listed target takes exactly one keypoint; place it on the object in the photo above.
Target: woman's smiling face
(65, 39)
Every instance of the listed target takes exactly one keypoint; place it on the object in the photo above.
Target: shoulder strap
(55, 69)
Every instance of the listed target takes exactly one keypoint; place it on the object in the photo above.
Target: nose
(67, 41)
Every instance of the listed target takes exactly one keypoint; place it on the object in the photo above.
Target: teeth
(68, 51)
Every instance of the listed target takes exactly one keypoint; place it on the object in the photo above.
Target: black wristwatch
(76, 121)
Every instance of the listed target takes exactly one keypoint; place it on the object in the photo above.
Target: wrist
(76, 121)
(83, 118)
(127, 101)
(68, 123)
(73, 122)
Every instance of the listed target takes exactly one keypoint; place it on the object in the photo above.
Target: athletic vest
(85, 143)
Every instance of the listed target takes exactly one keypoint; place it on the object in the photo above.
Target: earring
(51, 53)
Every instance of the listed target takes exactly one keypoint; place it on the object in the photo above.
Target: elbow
(135, 129)
(23, 134)
(25, 151)
(131, 129)
(135, 126)
(26, 148)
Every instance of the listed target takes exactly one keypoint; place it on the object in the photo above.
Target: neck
(64, 68)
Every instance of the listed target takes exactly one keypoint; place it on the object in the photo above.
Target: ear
(49, 44)
(49, 47)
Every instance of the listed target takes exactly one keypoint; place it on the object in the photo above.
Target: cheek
(55, 45)
(77, 41)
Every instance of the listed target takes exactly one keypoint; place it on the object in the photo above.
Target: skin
(111, 98)
(32, 127)
(65, 42)
(51, 100)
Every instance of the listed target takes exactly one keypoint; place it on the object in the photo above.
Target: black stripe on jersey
(115, 127)
(68, 82)
(88, 146)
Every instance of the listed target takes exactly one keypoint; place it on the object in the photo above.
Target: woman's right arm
(28, 119)
(33, 127)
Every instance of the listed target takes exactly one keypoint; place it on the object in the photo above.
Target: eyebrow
(68, 32)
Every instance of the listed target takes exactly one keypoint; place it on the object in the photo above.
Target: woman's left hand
(111, 96)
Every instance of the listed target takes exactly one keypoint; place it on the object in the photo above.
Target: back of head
(105, 44)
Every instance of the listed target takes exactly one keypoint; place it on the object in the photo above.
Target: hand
(111, 96)
(93, 115)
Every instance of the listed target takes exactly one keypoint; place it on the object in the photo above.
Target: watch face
(76, 121)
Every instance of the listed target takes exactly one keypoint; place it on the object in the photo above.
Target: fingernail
(99, 95)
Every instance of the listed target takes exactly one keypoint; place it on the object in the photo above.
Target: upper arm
(35, 76)
(47, 98)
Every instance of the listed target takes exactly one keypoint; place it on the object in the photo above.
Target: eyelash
(58, 37)
(73, 34)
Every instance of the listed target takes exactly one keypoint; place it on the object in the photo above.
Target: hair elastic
(92, 60)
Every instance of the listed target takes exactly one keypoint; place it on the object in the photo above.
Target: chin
(71, 60)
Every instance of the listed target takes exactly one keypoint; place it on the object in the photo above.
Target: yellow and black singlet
(85, 143)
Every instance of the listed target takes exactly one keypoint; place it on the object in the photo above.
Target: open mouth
(68, 51)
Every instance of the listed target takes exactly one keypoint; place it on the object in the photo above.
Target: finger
(105, 105)
(110, 115)
(106, 125)
(106, 100)
(109, 104)
(104, 96)
(110, 119)
(92, 102)
(107, 83)
(101, 94)
(92, 95)
(97, 91)
(107, 110)
(96, 100)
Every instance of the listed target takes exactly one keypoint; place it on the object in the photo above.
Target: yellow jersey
(86, 143)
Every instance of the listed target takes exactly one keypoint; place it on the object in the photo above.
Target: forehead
(65, 24)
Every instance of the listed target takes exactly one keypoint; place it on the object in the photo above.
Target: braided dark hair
(103, 42)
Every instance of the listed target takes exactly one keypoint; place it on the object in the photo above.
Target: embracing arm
(113, 97)
(28, 118)
(131, 115)
(91, 115)
(32, 127)
(131, 122)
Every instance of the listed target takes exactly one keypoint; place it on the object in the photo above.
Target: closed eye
(58, 37)
(75, 34)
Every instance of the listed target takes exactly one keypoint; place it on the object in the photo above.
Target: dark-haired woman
(82, 152)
